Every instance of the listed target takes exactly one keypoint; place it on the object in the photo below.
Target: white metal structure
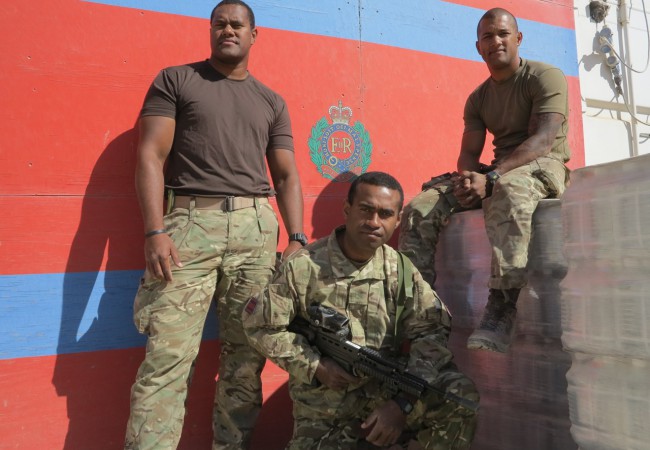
(614, 78)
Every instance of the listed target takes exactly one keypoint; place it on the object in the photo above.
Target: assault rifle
(328, 330)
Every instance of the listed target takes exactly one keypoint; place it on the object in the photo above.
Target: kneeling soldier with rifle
(363, 338)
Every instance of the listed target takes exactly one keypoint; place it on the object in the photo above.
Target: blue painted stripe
(53, 314)
(430, 26)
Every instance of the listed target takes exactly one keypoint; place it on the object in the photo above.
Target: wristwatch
(404, 404)
(300, 237)
(491, 178)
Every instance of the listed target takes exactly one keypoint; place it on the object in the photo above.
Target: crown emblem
(340, 113)
(340, 151)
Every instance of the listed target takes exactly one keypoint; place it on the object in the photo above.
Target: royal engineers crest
(339, 148)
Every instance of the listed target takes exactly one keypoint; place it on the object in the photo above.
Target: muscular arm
(470, 185)
(542, 130)
(471, 149)
(156, 137)
(286, 182)
(466, 190)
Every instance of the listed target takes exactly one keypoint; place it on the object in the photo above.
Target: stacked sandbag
(606, 304)
(524, 401)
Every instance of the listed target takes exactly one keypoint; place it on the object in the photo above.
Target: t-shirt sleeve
(471, 116)
(550, 93)
(161, 99)
(280, 135)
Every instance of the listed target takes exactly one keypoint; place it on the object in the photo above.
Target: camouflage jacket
(321, 273)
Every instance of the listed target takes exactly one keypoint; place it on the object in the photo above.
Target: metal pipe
(624, 22)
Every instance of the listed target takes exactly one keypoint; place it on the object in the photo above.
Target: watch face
(403, 404)
(492, 176)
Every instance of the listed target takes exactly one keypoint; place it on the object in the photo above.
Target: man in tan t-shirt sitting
(524, 105)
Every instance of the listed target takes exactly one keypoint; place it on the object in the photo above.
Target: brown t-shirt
(504, 108)
(224, 129)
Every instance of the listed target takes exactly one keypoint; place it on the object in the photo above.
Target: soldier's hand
(158, 250)
(292, 247)
(385, 424)
(332, 375)
(469, 189)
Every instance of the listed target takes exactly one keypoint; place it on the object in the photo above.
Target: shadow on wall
(99, 349)
(328, 207)
(96, 383)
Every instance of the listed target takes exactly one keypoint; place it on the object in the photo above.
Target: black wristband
(154, 232)
(404, 404)
(490, 180)
(299, 237)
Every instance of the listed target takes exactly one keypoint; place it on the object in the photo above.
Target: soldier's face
(370, 220)
(498, 42)
(231, 35)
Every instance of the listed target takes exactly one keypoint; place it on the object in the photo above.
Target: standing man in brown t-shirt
(207, 132)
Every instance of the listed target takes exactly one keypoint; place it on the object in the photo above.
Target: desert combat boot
(497, 324)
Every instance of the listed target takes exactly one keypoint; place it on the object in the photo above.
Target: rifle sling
(404, 291)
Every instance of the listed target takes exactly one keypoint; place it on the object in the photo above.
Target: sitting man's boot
(497, 324)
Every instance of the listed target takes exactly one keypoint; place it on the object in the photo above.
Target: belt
(223, 203)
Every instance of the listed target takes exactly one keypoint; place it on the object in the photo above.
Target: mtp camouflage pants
(331, 421)
(508, 216)
(225, 255)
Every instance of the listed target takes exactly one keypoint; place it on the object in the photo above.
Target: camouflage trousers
(329, 420)
(508, 216)
(228, 256)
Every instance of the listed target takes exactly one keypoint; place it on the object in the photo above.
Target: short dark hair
(377, 179)
(251, 15)
(493, 14)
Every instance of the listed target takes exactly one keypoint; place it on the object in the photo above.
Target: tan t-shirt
(224, 129)
(504, 108)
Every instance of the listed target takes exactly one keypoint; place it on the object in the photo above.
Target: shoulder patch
(251, 305)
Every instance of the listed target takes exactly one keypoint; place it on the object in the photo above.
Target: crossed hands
(469, 188)
(384, 425)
